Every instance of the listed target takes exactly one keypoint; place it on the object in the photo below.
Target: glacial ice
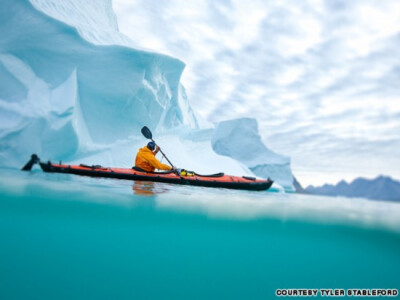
(240, 139)
(72, 87)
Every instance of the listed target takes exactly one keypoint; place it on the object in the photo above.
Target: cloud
(321, 77)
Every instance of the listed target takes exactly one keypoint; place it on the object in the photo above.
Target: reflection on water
(147, 188)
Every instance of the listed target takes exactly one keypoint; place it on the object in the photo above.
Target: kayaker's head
(151, 146)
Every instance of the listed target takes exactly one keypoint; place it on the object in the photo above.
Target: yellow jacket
(146, 160)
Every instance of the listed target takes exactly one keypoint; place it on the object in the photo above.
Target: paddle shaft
(164, 155)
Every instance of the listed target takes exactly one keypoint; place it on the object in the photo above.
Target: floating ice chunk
(241, 140)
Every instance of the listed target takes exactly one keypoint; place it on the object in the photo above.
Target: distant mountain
(380, 188)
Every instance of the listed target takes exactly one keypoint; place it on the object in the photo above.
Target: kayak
(219, 180)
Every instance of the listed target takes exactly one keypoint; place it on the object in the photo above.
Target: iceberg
(240, 139)
(72, 87)
(64, 90)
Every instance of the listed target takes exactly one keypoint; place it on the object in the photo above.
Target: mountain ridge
(380, 188)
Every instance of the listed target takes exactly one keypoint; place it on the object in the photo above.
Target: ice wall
(68, 87)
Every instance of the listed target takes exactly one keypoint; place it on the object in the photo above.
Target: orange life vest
(146, 160)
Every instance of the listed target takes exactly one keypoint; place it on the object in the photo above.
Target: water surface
(72, 237)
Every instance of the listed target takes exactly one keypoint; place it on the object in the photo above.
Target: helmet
(151, 146)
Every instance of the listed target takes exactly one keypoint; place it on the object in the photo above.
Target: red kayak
(219, 180)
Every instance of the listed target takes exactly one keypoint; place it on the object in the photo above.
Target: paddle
(148, 135)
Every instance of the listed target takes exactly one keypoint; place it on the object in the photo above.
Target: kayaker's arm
(156, 164)
(155, 152)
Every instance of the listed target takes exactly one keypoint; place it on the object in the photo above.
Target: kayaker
(146, 159)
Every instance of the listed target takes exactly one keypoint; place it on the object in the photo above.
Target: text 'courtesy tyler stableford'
(337, 292)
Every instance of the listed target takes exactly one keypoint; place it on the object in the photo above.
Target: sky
(322, 78)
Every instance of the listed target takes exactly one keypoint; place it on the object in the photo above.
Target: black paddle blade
(34, 160)
(147, 133)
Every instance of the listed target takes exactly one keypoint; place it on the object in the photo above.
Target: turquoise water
(71, 237)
